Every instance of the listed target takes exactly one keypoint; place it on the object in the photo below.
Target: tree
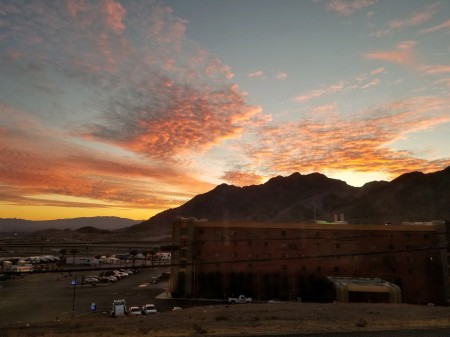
(74, 252)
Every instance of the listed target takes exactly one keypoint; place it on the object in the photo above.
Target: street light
(74, 284)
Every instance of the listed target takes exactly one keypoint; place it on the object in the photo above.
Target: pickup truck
(240, 299)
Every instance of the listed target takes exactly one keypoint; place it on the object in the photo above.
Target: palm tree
(133, 253)
(74, 252)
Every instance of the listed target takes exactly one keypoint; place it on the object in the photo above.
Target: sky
(129, 108)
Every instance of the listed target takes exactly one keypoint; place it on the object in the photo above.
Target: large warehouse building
(303, 261)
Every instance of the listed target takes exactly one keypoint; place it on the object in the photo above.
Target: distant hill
(101, 223)
(303, 198)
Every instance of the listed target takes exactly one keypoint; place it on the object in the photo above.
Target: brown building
(292, 260)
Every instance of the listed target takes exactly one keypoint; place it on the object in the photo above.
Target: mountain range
(100, 222)
(412, 197)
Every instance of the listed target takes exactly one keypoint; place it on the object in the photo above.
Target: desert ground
(41, 305)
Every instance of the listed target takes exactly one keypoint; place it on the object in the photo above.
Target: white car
(134, 311)
(148, 309)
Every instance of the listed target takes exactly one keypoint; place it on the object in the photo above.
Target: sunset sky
(128, 108)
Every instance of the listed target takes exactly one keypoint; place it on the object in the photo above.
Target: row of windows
(385, 259)
(307, 234)
(320, 244)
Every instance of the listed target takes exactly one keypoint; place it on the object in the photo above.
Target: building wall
(288, 261)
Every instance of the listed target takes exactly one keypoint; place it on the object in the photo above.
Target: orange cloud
(239, 178)
(37, 161)
(362, 144)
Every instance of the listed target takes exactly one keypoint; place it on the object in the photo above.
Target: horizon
(127, 109)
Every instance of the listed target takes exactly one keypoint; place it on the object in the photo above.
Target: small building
(376, 290)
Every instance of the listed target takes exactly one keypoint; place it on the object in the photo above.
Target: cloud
(435, 69)
(239, 178)
(38, 161)
(334, 88)
(414, 19)
(362, 143)
(404, 54)
(378, 71)
(281, 76)
(145, 87)
(346, 8)
(442, 26)
(257, 74)
(363, 82)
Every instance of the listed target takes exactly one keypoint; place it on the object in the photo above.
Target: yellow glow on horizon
(54, 212)
(357, 179)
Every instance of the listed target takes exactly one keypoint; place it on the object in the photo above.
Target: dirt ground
(41, 305)
(233, 320)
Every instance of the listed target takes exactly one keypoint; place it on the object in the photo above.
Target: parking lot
(43, 297)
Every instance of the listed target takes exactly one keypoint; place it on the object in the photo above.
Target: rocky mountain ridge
(412, 197)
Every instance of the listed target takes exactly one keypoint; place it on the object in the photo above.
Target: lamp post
(74, 284)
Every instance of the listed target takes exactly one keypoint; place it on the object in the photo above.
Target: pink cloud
(114, 15)
(403, 54)
(257, 74)
(435, 69)
(334, 88)
(442, 26)
(281, 76)
(346, 8)
(414, 19)
(378, 71)
(76, 6)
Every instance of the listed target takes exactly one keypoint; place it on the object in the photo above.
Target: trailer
(119, 308)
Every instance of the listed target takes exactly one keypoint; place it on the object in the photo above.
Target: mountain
(304, 198)
(101, 222)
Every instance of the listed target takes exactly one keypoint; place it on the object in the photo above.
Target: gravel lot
(41, 305)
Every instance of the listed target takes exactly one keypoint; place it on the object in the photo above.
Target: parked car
(240, 299)
(148, 309)
(134, 311)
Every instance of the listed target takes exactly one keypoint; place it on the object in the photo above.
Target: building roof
(316, 226)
